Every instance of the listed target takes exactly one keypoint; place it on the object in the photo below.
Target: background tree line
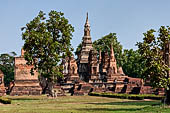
(7, 66)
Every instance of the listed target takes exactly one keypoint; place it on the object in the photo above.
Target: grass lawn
(80, 104)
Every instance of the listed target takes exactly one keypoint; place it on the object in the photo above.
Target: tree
(7, 67)
(132, 65)
(78, 49)
(104, 43)
(152, 51)
(47, 41)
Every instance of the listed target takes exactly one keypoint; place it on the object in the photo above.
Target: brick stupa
(25, 83)
(2, 87)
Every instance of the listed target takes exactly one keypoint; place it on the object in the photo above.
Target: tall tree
(132, 65)
(7, 66)
(78, 49)
(104, 43)
(152, 51)
(47, 41)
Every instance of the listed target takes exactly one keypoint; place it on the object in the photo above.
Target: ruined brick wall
(25, 83)
(2, 87)
(72, 66)
(22, 70)
(65, 65)
(93, 63)
(105, 61)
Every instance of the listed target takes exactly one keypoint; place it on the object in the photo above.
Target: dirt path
(149, 100)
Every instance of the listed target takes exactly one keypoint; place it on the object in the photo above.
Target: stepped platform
(26, 87)
(24, 82)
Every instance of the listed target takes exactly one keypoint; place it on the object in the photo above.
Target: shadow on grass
(96, 110)
(147, 109)
(137, 103)
(145, 106)
(24, 99)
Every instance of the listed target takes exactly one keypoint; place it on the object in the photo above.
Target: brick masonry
(2, 87)
(100, 74)
(25, 83)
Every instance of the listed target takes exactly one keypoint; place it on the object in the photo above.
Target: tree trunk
(44, 89)
(167, 98)
(46, 85)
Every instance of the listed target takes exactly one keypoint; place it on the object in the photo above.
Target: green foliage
(128, 96)
(104, 43)
(132, 65)
(7, 66)
(47, 41)
(152, 50)
(78, 49)
(5, 100)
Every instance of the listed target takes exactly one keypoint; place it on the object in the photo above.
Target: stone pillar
(72, 69)
(105, 61)
(93, 64)
(112, 62)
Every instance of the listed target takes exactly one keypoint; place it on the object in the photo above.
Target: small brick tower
(2, 87)
(24, 82)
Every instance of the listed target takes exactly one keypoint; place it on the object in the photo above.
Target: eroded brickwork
(100, 74)
(25, 83)
(2, 87)
(83, 68)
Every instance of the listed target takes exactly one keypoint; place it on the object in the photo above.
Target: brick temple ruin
(99, 74)
(24, 83)
(87, 73)
(2, 87)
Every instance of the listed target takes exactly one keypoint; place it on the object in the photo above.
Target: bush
(5, 100)
(128, 96)
(136, 97)
(94, 94)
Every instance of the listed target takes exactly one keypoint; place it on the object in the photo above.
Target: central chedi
(84, 54)
(97, 71)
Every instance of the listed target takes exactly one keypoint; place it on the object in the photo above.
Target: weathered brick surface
(102, 73)
(82, 89)
(2, 87)
(22, 70)
(146, 90)
(25, 83)
(118, 88)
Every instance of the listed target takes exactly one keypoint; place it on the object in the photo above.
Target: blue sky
(128, 18)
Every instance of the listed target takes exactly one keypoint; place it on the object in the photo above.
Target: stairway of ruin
(82, 89)
(27, 87)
